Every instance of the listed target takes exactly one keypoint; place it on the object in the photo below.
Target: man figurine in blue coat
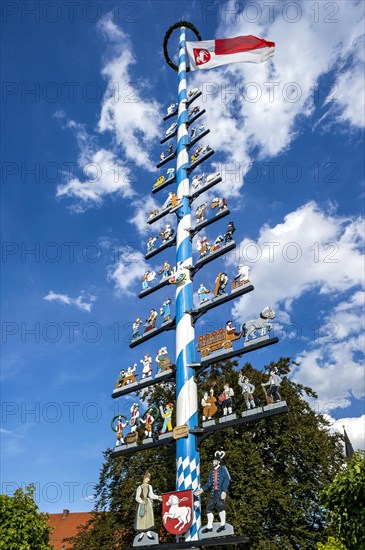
(218, 482)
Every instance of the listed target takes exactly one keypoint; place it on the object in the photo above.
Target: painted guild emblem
(201, 56)
(177, 511)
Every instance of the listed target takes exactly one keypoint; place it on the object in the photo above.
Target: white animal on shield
(182, 513)
(203, 55)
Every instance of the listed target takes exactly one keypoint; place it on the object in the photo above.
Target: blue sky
(79, 155)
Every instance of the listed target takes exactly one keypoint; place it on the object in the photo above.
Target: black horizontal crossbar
(130, 388)
(151, 333)
(218, 541)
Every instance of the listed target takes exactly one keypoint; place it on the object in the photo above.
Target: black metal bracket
(162, 247)
(217, 358)
(217, 541)
(145, 383)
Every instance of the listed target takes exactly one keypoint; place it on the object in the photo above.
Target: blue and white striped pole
(187, 456)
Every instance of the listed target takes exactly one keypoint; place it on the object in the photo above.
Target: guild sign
(201, 56)
(177, 511)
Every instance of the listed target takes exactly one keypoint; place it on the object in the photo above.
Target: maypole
(181, 513)
(187, 456)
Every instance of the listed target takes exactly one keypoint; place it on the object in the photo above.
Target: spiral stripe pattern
(187, 455)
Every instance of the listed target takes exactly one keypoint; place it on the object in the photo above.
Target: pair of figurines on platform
(165, 234)
(204, 247)
(170, 174)
(217, 202)
(200, 181)
(150, 418)
(129, 375)
(178, 510)
(200, 152)
(150, 324)
(169, 152)
(210, 409)
(221, 282)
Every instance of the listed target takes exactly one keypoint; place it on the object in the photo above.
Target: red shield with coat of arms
(177, 511)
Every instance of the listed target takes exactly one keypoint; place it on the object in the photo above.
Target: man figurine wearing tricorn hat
(218, 482)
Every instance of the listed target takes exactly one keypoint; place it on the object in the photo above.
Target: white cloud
(130, 267)
(133, 118)
(310, 249)
(83, 302)
(355, 429)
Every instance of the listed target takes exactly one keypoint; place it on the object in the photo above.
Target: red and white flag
(207, 54)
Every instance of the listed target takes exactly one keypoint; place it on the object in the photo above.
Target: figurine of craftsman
(202, 293)
(194, 110)
(119, 431)
(145, 280)
(208, 403)
(167, 416)
(151, 244)
(134, 417)
(231, 329)
(167, 202)
(202, 246)
(130, 377)
(166, 233)
(171, 108)
(162, 156)
(220, 284)
(226, 400)
(220, 202)
(205, 149)
(170, 172)
(242, 276)
(217, 244)
(200, 212)
(148, 421)
(228, 234)
(192, 92)
(218, 483)
(171, 129)
(151, 321)
(196, 181)
(196, 153)
(145, 520)
(165, 271)
(120, 379)
(165, 310)
(135, 328)
(147, 366)
(161, 357)
(153, 213)
(170, 150)
(247, 391)
(274, 383)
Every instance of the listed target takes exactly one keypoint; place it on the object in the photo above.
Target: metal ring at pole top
(169, 32)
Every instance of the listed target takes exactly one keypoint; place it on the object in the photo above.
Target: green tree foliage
(345, 498)
(331, 544)
(22, 527)
(278, 467)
